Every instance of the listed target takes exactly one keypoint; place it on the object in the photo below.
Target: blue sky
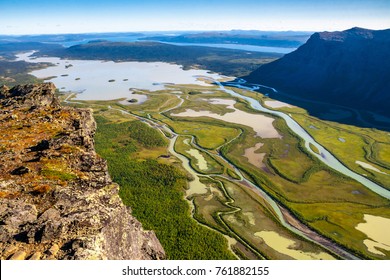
(78, 16)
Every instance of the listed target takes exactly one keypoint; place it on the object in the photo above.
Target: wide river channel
(324, 155)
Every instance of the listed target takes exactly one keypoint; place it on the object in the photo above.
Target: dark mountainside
(57, 200)
(349, 68)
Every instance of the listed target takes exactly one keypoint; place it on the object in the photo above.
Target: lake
(107, 80)
(250, 48)
(261, 124)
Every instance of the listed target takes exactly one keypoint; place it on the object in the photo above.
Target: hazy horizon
(25, 17)
(172, 32)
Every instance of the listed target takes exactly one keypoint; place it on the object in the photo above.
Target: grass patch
(381, 152)
(358, 144)
(340, 223)
(200, 161)
(314, 148)
(57, 175)
(233, 174)
(208, 135)
(155, 103)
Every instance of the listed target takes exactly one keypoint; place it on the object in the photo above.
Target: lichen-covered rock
(30, 95)
(57, 200)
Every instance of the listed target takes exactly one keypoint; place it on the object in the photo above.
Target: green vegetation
(201, 130)
(314, 148)
(16, 72)
(350, 144)
(200, 161)
(381, 151)
(233, 174)
(291, 175)
(155, 191)
(209, 133)
(341, 224)
(256, 216)
(155, 103)
(238, 211)
(153, 183)
(142, 133)
(58, 169)
(57, 175)
(304, 185)
(210, 207)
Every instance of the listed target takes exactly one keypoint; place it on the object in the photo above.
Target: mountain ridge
(348, 68)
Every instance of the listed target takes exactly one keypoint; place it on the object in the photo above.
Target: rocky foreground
(57, 200)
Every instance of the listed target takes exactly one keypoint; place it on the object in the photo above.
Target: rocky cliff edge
(57, 200)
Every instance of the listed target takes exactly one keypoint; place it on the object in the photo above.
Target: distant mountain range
(290, 39)
(349, 68)
(63, 38)
(287, 39)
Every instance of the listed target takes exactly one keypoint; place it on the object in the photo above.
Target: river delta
(258, 176)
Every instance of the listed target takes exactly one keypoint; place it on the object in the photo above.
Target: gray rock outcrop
(57, 200)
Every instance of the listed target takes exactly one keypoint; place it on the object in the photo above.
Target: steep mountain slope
(57, 200)
(350, 68)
